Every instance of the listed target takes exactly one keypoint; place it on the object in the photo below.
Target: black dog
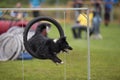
(46, 48)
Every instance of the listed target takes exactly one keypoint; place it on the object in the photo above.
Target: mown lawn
(105, 60)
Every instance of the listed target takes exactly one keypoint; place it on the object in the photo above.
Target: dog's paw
(62, 62)
(59, 63)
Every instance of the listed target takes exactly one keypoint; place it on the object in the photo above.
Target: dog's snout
(70, 48)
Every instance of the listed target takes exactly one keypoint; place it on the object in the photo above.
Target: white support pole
(65, 64)
(88, 39)
(57, 12)
(44, 9)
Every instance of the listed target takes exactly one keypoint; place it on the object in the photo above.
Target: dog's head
(63, 44)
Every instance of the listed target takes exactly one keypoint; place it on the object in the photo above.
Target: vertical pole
(57, 12)
(88, 39)
(65, 54)
(22, 59)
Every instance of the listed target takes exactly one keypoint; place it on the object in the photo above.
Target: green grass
(105, 61)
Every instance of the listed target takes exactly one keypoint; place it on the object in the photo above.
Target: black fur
(46, 48)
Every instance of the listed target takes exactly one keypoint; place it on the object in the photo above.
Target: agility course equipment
(6, 24)
(29, 25)
(11, 43)
(63, 9)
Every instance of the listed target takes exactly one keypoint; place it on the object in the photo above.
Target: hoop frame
(32, 22)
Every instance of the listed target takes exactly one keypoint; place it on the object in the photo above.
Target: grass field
(105, 60)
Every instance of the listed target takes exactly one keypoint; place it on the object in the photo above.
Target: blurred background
(64, 4)
(104, 46)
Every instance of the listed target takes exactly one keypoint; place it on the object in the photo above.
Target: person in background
(96, 25)
(81, 24)
(97, 6)
(0, 13)
(77, 4)
(36, 4)
(45, 29)
(17, 13)
(108, 8)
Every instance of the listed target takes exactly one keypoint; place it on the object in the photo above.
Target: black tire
(43, 18)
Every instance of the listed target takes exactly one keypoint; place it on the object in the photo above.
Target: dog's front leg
(55, 59)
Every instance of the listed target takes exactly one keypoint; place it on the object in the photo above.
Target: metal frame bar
(48, 9)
